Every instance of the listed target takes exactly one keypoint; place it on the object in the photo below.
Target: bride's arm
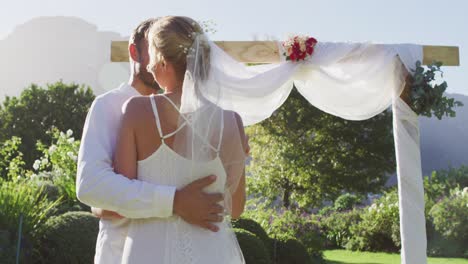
(125, 157)
(238, 199)
(239, 195)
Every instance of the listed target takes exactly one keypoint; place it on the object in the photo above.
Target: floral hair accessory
(186, 50)
(299, 47)
(197, 36)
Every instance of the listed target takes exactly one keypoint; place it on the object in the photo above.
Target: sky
(427, 22)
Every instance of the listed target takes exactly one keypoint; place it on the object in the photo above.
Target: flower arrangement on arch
(299, 47)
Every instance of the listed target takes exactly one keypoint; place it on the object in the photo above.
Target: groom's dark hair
(141, 32)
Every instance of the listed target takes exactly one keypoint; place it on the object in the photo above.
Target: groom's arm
(105, 214)
(97, 184)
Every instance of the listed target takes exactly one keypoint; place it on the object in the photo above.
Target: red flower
(294, 52)
(311, 41)
(296, 46)
(292, 57)
(302, 56)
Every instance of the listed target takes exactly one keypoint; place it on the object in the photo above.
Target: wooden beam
(449, 56)
(243, 51)
(119, 51)
(267, 52)
(251, 51)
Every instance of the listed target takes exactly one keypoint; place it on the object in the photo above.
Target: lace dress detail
(148, 239)
(184, 245)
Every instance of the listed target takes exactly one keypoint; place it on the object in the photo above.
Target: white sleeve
(99, 186)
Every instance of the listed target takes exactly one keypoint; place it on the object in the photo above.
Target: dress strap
(175, 131)
(180, 126)
(188, 122)
(156, 116)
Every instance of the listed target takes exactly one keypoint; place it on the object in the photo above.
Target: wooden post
(406, 93)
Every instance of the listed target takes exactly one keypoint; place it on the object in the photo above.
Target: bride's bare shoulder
(234, 117)
(136, 108)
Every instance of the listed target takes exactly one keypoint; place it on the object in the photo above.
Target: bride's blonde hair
(170, 40)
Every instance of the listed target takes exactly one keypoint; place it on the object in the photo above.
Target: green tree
(11, 160)
(38, 109)
(304, 156)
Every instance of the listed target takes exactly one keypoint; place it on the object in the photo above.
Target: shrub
(450, 215)
(324, 211)
(253, 227)
(438, 246)
(379, 229)
(21, 198)
(289, 250)
(58, 164)
(310, 236)
(292, 223)
(450, 219)
(347, 201)
(252, 247)
(441, 182)
(337, 227)
(69, 238)
(55, 171)
(50, 191)
(7, 248)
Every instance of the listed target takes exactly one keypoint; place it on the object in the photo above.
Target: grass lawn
(348, 257)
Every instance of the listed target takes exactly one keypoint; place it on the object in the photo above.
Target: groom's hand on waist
(197, 207)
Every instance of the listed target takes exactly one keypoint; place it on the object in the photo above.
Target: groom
(97, 184)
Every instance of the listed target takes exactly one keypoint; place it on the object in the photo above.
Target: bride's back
(172, 240)
(163, 154)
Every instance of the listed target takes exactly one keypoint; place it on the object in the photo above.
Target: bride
(185, 131)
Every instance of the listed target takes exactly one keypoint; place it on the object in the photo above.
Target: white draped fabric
(410, 183)
(353, 81)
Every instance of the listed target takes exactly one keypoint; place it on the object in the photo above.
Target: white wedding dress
(147, 239)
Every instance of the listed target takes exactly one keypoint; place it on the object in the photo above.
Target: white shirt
(97, 184)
